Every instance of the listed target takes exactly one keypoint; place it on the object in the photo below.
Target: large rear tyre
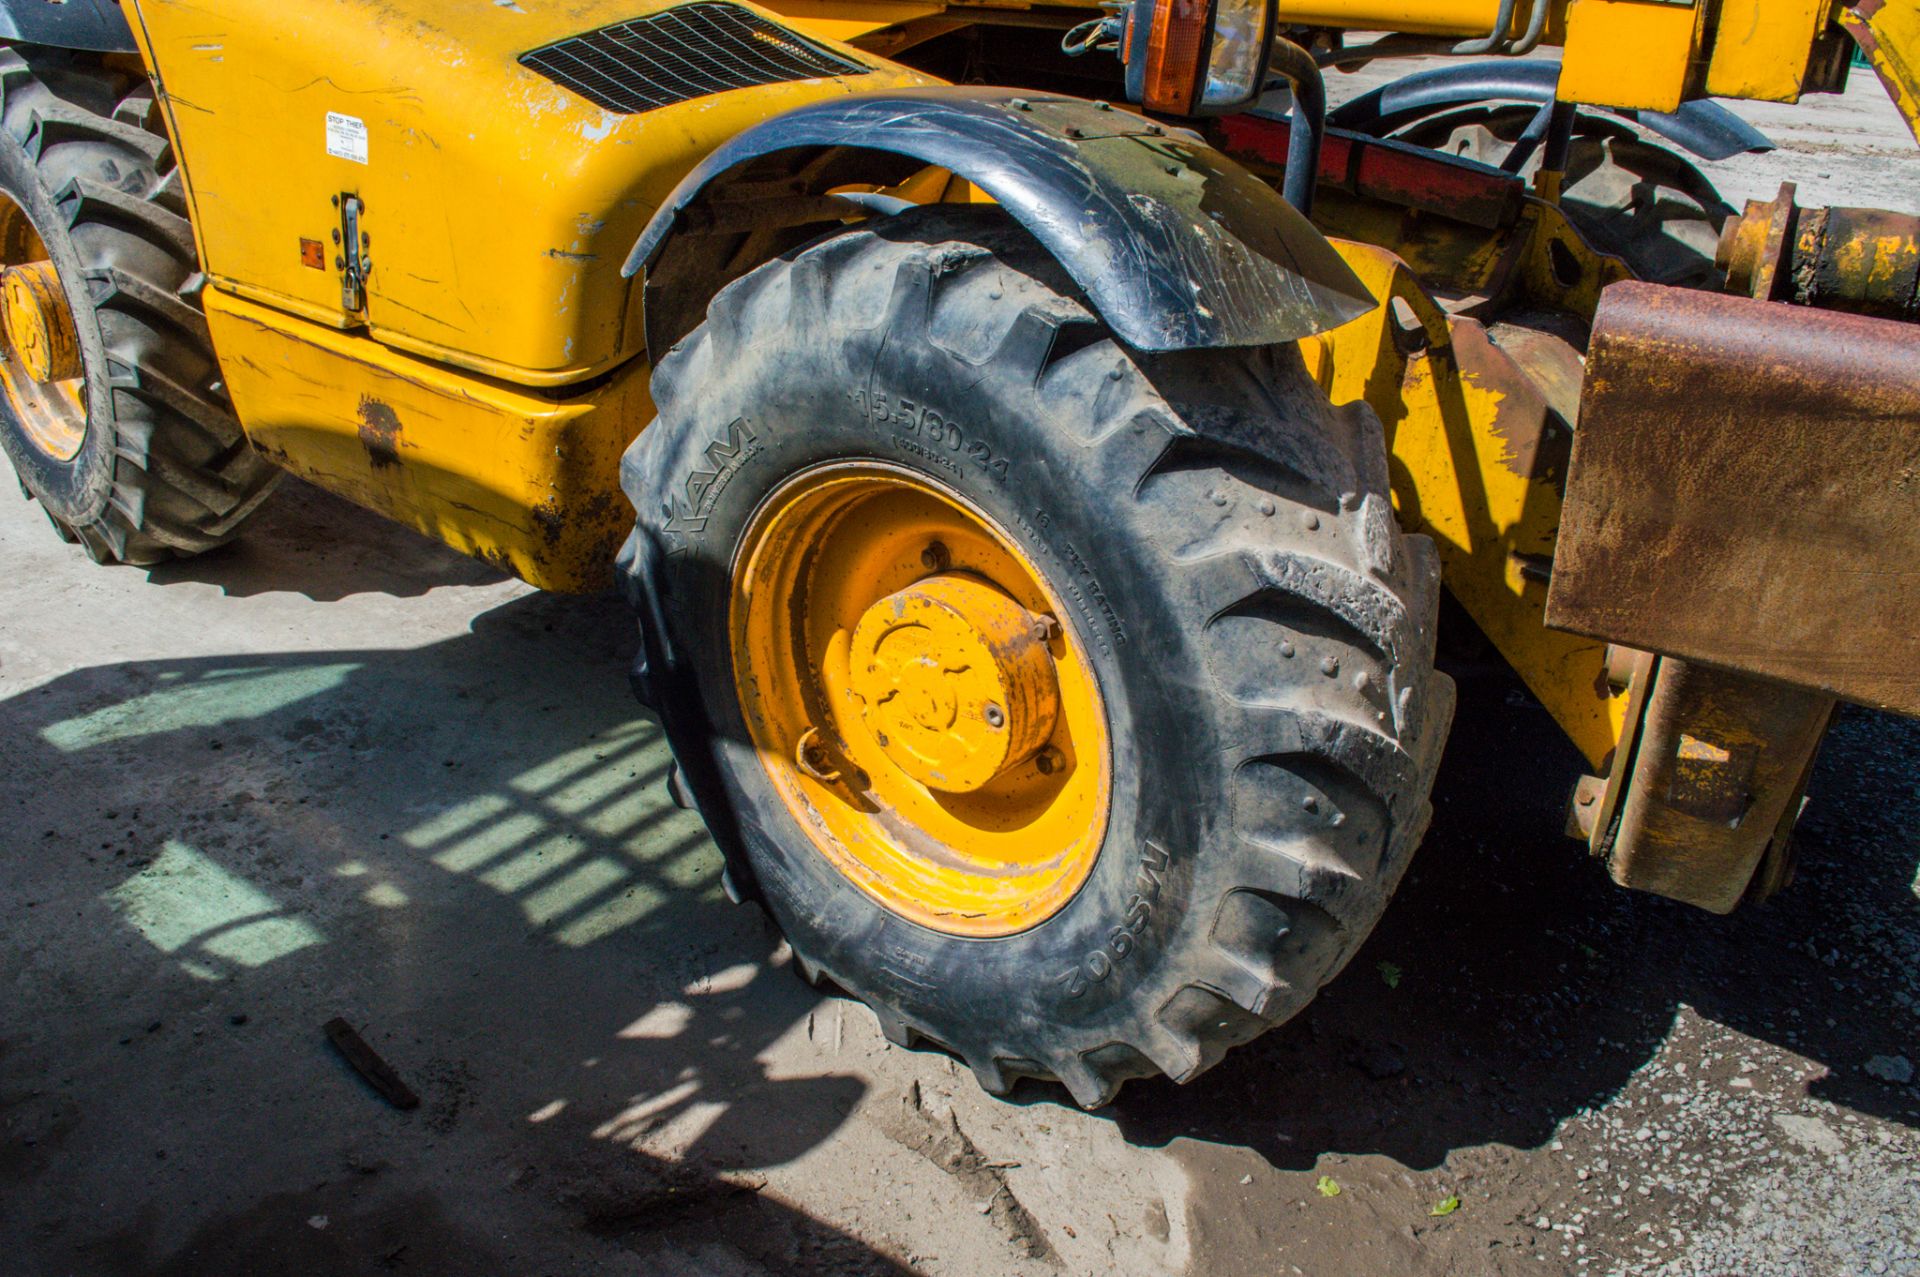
(111, 408)
(1074, 708)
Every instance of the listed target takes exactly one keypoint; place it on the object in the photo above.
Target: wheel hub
(41, 373)
(957, 683)
(923, 717)
(39, 326)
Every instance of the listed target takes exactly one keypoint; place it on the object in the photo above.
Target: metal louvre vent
(685, 52)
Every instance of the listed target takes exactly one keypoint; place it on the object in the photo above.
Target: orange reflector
(1177, 55)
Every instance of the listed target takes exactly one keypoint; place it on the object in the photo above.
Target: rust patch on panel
(379, 432)
(1743, 492)
(1714, 787)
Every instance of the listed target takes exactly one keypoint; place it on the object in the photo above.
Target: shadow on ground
(1527, 987)
(308, 541)
(466, 849)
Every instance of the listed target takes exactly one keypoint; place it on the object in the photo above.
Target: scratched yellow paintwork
(1760, 48)
(499, 205)
(1451, 411)
(524, 479)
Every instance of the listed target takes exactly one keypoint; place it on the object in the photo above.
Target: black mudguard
(68, 24)
(1707, 129)
(1175, 245)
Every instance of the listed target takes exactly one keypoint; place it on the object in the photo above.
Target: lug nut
(813, 757)
(935, 557)
(1049, 760)
(1045, 629)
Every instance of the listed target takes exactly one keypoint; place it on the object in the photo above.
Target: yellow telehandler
(1033, 437)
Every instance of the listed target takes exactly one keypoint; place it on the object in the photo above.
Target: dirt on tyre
(1073, 707)
(112, 413)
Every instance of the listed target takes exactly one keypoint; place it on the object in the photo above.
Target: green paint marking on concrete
(209, 700)
(188, 906)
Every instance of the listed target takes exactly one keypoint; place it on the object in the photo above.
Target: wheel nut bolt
(995, 716)
(1049, 761)
(935, 557)
(814, 758)
(1045, 628)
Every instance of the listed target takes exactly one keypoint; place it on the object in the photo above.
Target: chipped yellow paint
(1463, 421)
(1760, 48)
(499, 206)
(1879, 260)
(525, 480)
(1888, 32)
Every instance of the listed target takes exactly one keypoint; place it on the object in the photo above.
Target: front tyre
(111, 404)
(1072, 707)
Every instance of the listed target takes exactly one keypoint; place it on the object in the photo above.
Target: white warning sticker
(346, 137)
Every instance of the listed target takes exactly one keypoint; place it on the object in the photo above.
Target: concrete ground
(334, 770)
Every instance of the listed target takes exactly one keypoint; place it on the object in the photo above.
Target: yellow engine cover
(498, 205)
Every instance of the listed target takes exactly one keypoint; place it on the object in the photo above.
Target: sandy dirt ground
(334, 770)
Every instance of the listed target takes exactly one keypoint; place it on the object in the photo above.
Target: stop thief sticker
(346, 137)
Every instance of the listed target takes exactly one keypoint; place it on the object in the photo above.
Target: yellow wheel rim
(930, 725)
(40, 371)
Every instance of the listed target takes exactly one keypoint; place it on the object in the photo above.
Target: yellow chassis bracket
(1888, 32)
(526, 481)
(1479, 435)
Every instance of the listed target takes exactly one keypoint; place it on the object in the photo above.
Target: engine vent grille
(686, 52)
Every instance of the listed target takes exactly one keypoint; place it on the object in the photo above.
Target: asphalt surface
(334, 770)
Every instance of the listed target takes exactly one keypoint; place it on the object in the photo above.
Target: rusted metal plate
(1714, 785)
(1745, 491)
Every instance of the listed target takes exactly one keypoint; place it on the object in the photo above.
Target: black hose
(1308, 123)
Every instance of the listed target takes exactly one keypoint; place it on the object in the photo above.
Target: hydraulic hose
(1308, 123)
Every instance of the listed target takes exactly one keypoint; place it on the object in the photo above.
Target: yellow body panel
(1473, 469)
(521, 479)
(834, 20)
(498, 205)
(1760, 48)
(1630, 53)
(1888, 31)
(1420, 17)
